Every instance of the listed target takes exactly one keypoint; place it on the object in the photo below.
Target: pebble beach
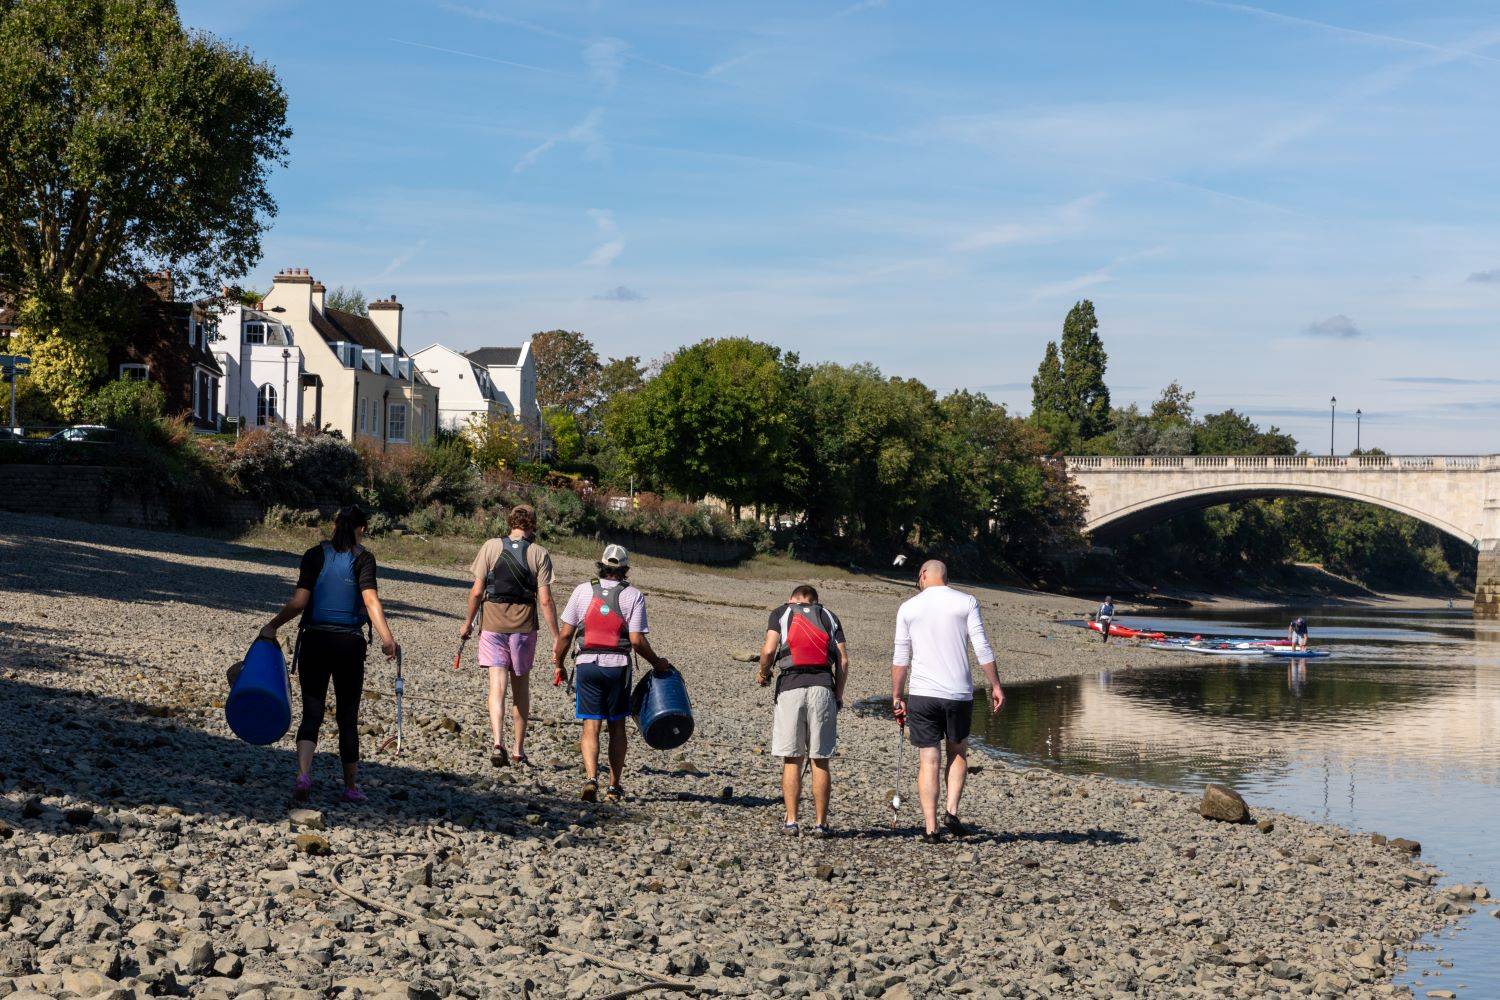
(145, 851)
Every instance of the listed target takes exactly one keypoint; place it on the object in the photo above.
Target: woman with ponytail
(337, 599)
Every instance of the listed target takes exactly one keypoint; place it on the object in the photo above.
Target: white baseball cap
(615, 555)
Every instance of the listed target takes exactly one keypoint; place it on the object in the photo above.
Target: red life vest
(807, 641)
(605, 629)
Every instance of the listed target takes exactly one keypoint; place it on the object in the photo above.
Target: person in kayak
(512, 580)
(806, 642)
(337, 598)
(608, 617)
(932, 630)
(1296, 632)
(1105, 616)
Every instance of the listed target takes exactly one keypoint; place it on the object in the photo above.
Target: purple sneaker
(302, 787)
(354, 795)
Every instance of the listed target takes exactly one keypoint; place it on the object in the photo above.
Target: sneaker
(498, 757)
(590, 791)
(354, 795)
(614, 793)
(954, 826)
(302, 787)
(791, 830)
(822, 830)
(520, 759)
(938, 837)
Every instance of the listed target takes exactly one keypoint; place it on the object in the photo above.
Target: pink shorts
(515, 651)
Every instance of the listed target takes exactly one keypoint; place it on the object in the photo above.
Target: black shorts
(603, 692)
(933, 720)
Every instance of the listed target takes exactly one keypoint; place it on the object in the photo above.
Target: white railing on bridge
(1327, 463)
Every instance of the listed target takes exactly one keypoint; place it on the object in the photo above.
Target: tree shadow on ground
(110, 751)
(63, 567)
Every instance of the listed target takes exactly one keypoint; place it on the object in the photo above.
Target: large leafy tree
(1085, 396)
(129, 143)
(567, 369)
(716, 420)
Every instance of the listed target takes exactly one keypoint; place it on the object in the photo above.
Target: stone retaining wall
(96, 493)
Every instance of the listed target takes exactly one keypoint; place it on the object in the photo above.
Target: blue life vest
(337, 605)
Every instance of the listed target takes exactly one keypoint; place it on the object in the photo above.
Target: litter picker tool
(458, 657)
(900, 746)
(400, 705)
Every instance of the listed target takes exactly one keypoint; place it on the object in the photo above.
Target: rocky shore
(145, 851)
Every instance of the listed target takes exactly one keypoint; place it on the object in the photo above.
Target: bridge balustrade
(1322, 463)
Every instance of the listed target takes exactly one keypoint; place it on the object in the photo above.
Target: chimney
(386, 315)
(318, 291)
(160, 284)
(291, 292)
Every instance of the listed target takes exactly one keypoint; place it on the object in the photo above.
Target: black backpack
(511, 580)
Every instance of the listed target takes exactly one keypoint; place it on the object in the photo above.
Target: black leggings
(340, 656)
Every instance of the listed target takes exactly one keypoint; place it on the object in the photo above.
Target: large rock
(1223, 803)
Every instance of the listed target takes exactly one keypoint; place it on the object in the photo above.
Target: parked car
(83, 432)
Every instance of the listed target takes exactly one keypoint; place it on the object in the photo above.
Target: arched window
(265, 405)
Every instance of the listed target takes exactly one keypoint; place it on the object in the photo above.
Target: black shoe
(954, 826)
(939, 837)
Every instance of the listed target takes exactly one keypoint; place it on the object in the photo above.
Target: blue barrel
(662, 710)
(259, 708)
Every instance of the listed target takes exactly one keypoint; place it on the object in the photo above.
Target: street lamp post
(1333, 406)
(1358, 415)
(286, 357)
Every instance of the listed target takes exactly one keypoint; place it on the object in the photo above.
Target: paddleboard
(1214, 650)
(1306, 654)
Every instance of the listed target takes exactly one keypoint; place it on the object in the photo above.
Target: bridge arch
(1143, 513)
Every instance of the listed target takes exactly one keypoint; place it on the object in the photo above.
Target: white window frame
(265, 405)
(391, 421)
(130, 368)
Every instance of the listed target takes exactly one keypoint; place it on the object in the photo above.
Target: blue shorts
(603, 692)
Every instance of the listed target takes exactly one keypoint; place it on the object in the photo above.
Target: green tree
(495, 443)
(562, 427)
(1174, 406)
(1233, 433)
(717, 419)
(1047, 396)
(1085, 396)
(567, 369)
(350, 300)
(129, 143)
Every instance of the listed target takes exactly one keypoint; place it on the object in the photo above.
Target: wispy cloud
(1440, 380)
(483, 58)
(1100, 276)
(495, 17)
(861, 5)
(613, 242)
(1490, 277)
(1338, 327)
(399, 261)
(605, 58)
(620, 293)
(1065, 220)
(586, 133)
(1369, 36)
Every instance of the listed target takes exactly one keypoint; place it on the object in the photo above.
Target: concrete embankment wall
(96, 493)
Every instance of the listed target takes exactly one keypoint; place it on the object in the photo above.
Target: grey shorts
(805, 723)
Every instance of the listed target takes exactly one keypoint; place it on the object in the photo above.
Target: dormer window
(255, 333)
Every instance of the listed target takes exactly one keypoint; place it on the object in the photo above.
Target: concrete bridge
(1457, 494)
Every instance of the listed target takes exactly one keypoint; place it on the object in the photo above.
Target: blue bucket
(662, 710)
(259, 708)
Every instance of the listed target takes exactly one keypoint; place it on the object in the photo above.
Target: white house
(513, 370)
(360, 381)
(263, 368)
(465, 388)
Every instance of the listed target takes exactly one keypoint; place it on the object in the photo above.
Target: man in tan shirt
(512, 579)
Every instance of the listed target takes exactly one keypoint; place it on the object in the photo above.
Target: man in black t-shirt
(805, 641)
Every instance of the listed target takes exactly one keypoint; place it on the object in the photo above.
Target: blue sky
(1272, 205)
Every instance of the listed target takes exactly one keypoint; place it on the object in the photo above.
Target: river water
(1397, 733)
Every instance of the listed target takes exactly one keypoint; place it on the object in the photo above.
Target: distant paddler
(1296, 633)
(1105, 617)
(337, 598)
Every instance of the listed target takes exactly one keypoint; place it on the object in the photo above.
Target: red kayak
(1125, 632)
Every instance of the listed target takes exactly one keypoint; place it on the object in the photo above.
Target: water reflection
(1397, 733)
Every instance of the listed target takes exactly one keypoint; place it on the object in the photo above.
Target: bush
(561, 512)
(278, 516)
(399, 482)
(279, 469)
(133, 406)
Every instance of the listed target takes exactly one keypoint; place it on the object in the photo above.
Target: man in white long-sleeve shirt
(933, 631)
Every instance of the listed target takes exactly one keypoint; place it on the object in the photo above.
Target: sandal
(590, 791)
(614, 793)
(498, 757)
(791, 830)
(521, 759)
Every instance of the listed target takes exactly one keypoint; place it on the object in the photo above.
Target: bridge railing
(1324, 463)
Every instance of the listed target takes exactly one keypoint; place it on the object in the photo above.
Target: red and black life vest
(807, 641)
(605, 629)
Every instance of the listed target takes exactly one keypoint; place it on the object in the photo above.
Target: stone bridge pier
(1457, 494)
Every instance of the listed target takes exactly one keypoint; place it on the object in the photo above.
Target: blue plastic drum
(259, 708)
(662, 710)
